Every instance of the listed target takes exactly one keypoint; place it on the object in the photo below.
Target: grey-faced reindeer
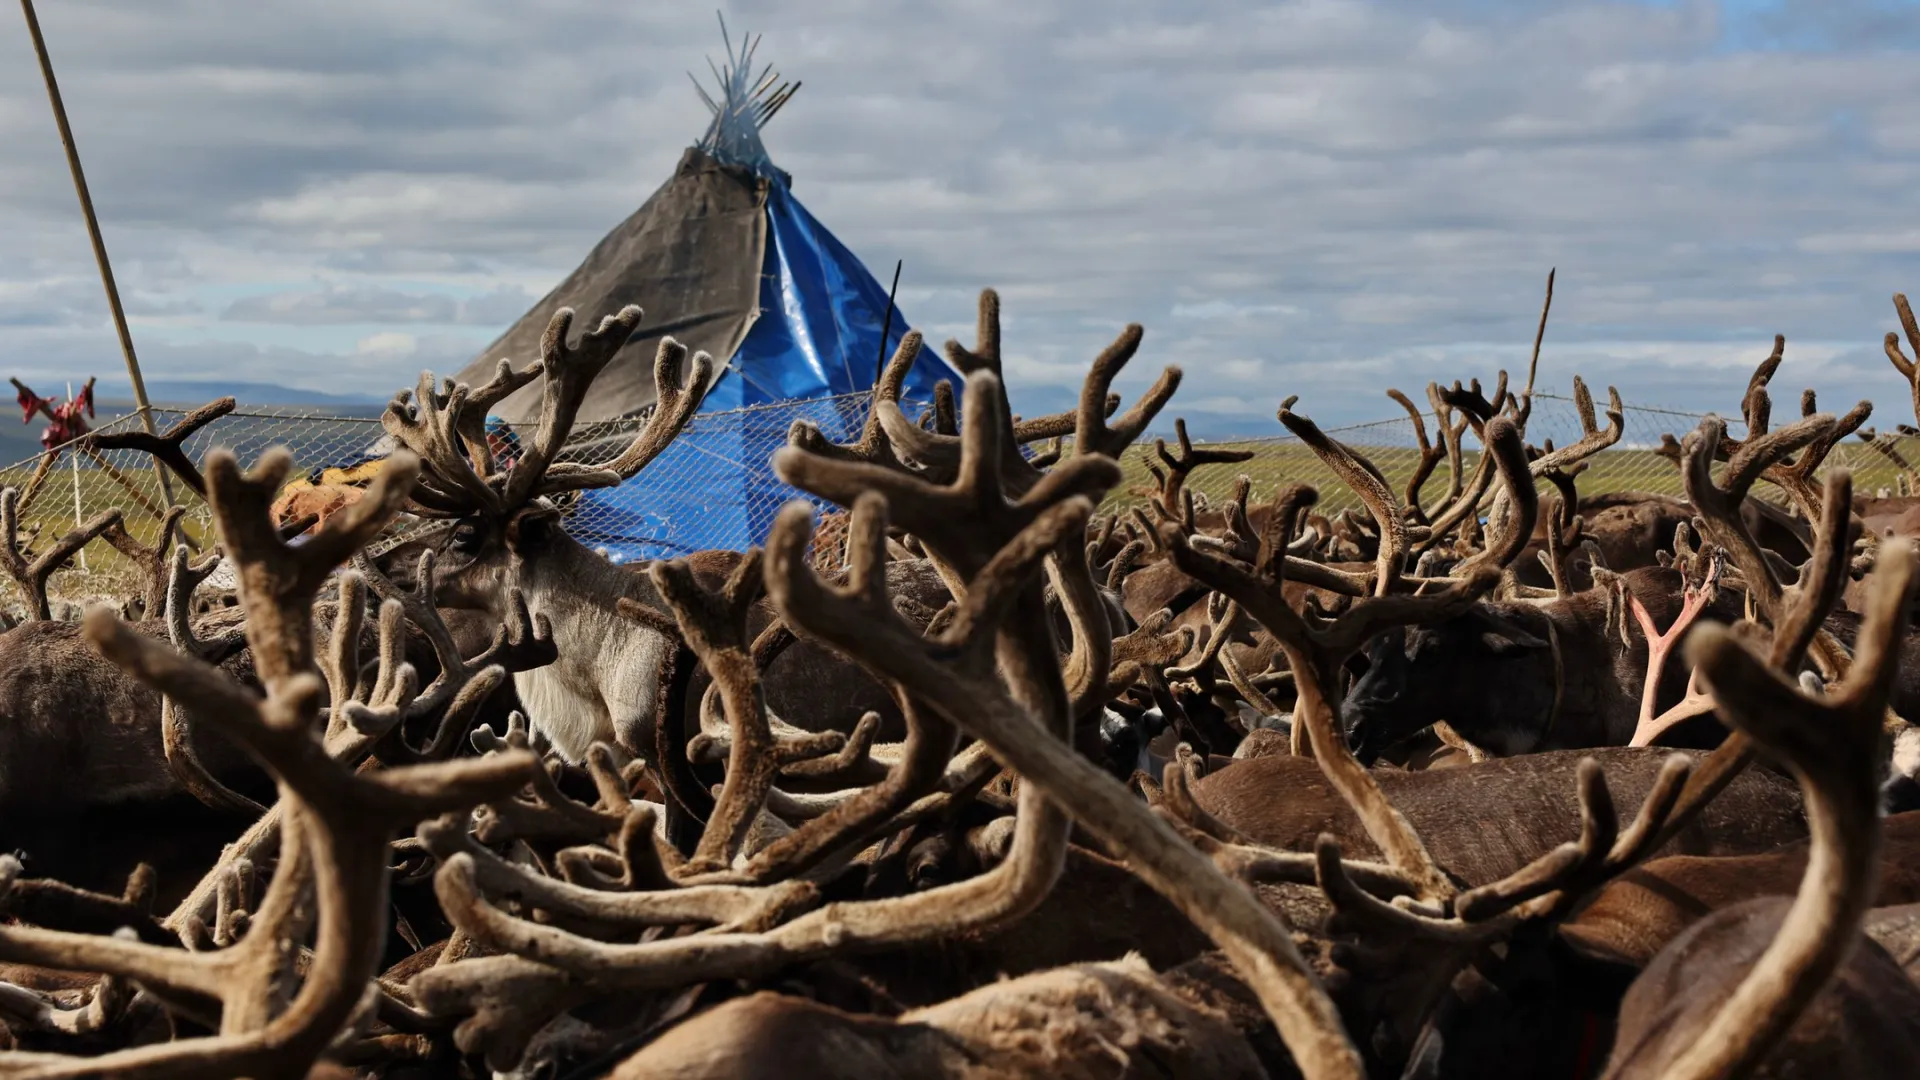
(615, 675)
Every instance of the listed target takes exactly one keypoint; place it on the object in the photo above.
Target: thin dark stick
(93, 232)
(1533, 365)
(886, 327)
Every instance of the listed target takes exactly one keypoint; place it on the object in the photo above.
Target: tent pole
(93, 232)
(886, 327)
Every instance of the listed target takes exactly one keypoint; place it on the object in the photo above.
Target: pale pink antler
(1660, 645)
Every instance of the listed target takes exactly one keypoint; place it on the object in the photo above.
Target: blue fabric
(817, 336)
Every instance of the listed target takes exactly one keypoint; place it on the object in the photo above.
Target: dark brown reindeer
(269, 1008)
(1770, 985)
(1567, 680)
(1587, 690)
(74, 731)
(1536, 1007)
(79, 735)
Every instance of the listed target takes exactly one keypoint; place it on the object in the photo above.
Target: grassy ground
(1277, 463)
(51, 512)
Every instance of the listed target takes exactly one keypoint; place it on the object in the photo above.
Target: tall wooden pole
(93, 231)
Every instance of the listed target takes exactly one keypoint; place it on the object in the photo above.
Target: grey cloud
(1321, 197)
(364, 305)
(381, 364)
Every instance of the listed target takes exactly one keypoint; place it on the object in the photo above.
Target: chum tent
(723, 258)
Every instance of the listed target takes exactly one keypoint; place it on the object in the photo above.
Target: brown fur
(1629, 527)
(76, 730)
(1637, 914)
(322, 501)
(1097, 910)
(1892, 515)
(1490, 674)
(1864, 1025)
(1115, 1021)
(1286, 802)
(1897, 930)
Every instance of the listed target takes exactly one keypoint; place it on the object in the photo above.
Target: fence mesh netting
(715, 480)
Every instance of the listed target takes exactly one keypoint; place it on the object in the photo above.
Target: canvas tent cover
(690, 257)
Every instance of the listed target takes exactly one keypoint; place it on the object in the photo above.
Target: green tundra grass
(1276, 463)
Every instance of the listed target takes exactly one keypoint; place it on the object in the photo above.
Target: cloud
(1322, 197)
(372, 305)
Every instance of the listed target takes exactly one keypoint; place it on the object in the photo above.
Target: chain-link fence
(713, 487)
(71, 483)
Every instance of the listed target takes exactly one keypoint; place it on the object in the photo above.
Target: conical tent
(722, 258)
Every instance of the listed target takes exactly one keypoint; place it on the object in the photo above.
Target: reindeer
(1774, 983)
(1568, 670)
(1567, 667)
(77, 732)
(1519, 1012)
(275, 1010)
(611, 681)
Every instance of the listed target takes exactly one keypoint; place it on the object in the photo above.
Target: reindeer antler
(873, 445)
(170, 446)
(152, 561)
(677, 396)
(1593, 438)
(1430, 453)
(1251, 935)
(32, 576)
(1900, 362)
(1317, 650)
(1366, 480)
(337, 821)
(1168, 501)
(445, 429)
(1831, 744)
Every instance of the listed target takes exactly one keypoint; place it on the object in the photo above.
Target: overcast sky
(1323, 198)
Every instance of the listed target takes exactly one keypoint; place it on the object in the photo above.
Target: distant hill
(199, 392)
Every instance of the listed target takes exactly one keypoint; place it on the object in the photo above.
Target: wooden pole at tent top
(93, 232)
(886, 326)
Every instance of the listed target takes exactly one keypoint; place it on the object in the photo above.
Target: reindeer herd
(1010, 785)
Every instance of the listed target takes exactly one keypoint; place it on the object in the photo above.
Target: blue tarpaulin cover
(815, 340)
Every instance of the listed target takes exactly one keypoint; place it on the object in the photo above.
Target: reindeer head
(505, 525)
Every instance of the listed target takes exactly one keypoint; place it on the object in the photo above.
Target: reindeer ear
(531, 531)
(1502, 636)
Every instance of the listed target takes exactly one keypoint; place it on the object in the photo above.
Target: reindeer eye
(467, 537)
